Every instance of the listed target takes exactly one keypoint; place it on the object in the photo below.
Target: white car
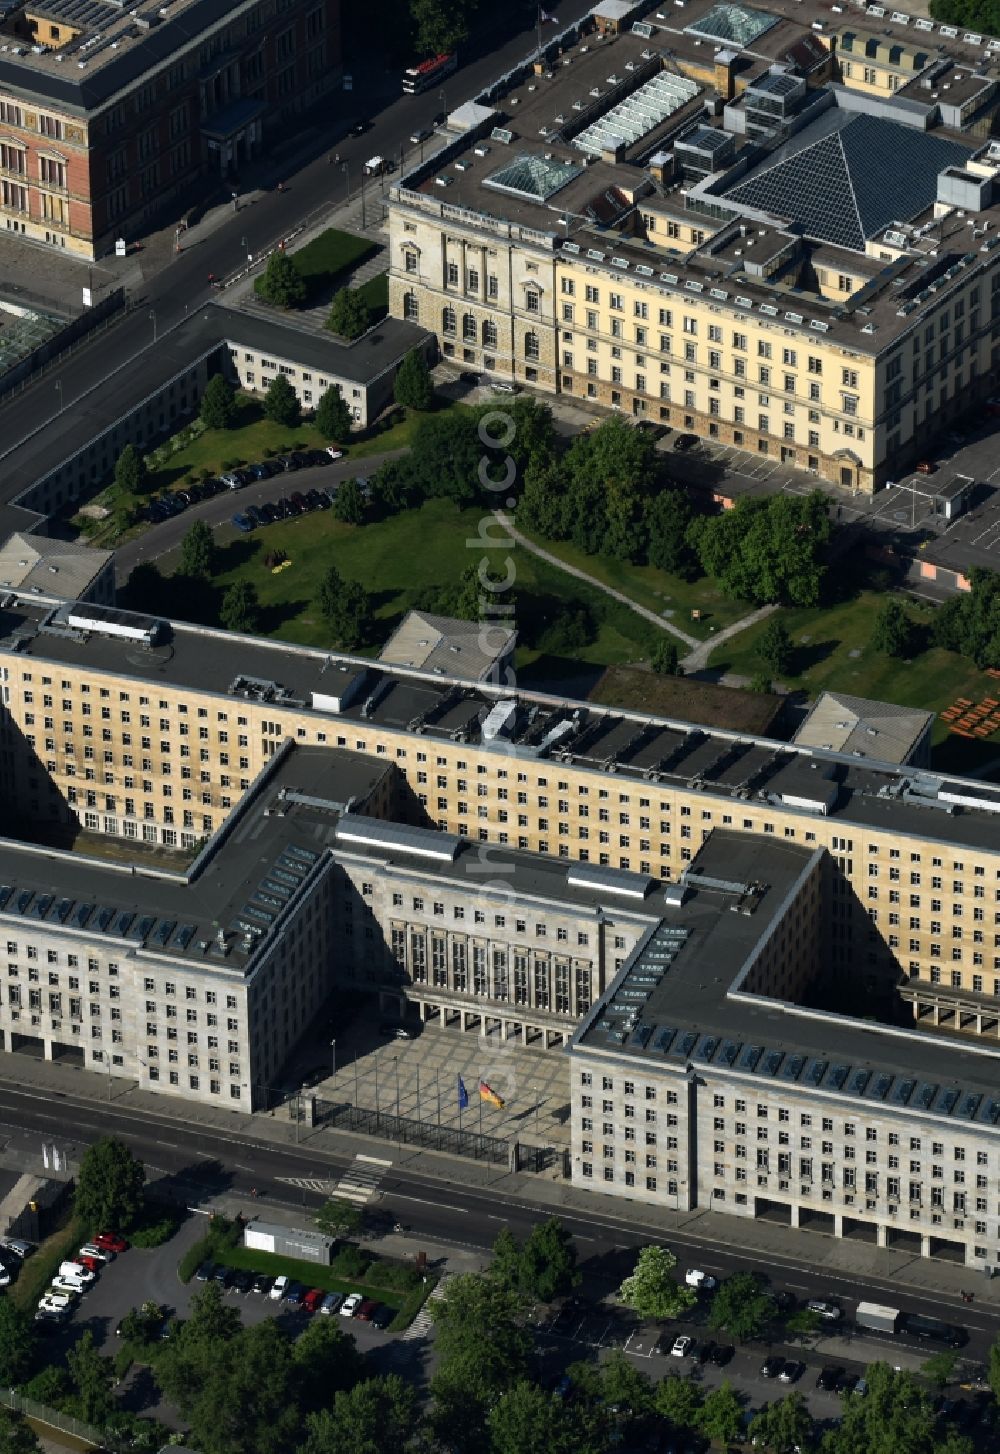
(67, 1285)
(54, 1302)
(694, 1277)
(681, 1347)
(829, 1312)
(334, 453)
(350, 1305)
(99, 1254)
(278, 1289)
(77, 1272)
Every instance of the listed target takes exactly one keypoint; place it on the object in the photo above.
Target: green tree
(679, 1401)
(327, 1361)
(16, 1437)
(18, 1344)
(774, 647)
(608, 473)
(240, 609)
(527, 1420)
(784, 1427)
(767, 548)
(281, 403)
(109, 1186)
(939, 1369)
(413, 387)
(247, 1402)
(141, 1325)
(183, 1367)
(722, 1414)
(896, 1417)
(544, 507)
(349, 504)
(760, 683)
(742, 1306)
(802, 1323)
(338, 1217)
(505, 1265)
(130, 471)
(281, 284)
(548, 1261)
(373, 1416)
(333, 414)
(893, 630)
(668, 516)
(446, 454)
(483, 1351)
(969, 623)
(440, 25)
(349, 314)
(664, 658)
(198, 553)
(92, 1377)
(993, 1370)
(652, 1290)
(625, 1389)
(218, 403)
(346, 609)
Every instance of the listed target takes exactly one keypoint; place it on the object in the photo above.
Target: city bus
(428, 73)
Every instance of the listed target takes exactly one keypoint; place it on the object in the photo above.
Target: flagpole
(480, 1113)
(418, 1093)
(539, 29)
(437, 1078)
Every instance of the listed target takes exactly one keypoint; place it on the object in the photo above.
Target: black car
(270, 512)
(288, 461)
(317, 501)
(205, 1273)
(263, 471)
(439, 119)
(685, 441)
(792, 1372)
(655, 431)
(360, 127)
(382, 1317)
(262, 1284)
(301, 458)
(285, 507)
(243, 1282)
(210, 488)
(771, 1366)
(316, 457)
(846, 1382)
(223, 1276)
(256, 514)
(722, 1354)
(828, 1378)
(469, 376)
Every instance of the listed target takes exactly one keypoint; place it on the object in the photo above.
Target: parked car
(86, 1275)
(704, 1281)
(331, 1303)
(829, 1312)
(242, 1281)
(222, 1275)
(318, 458)
(361, 126)
(269, 510)
(23, 1249)
(294, 1293)
(366, 1309)
(783, 1301)
(382, 1317)
(262, 1284)
(312, 1299)
(792, 1372)
(504, 386)
(421, 134)
(395, 1032)
(205, 1273)
(71, 1285)
(722, 1354)
(772, 1366)
(6, 1277)
(350, 1305)
(860, 1388)
(681, 1346)
(685, 441)
(255, 514)
(93, 1264)
(264, 470)
(299, 501)
(301, 458)
(102, 1254)
(244, 523)
(288, 461)
(926, 467)
(334, 452)
(705, 1351)
(278, 1288)
(828, 1378)
(469, 376)
(316, 500)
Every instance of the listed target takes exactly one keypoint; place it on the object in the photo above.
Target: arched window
(411, 307)
(449, 321)
(489, 334)
(469, 329)
(531, 349)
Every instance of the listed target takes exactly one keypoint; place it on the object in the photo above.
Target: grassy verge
(376, 294)
(248, 1259)
(199, 1252)
(39, 1269)
(326, 259)
(412, 1304)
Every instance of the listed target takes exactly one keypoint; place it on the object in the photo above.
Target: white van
(76, 1272)
(279, 1289)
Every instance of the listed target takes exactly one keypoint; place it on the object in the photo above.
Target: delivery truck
(877, 1318)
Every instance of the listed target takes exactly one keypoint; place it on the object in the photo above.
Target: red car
(312, 1299)
(112, 1241)
(364, 1312)
(93, 1263)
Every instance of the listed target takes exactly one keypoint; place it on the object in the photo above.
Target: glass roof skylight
(736, 24)
(646, 108)
(534, 177)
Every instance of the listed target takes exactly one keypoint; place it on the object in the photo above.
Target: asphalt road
(442, 1210)
(309, 186)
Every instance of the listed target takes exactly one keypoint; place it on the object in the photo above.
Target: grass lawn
(656, 590)
(824, 661)
(312, 1274)
(376, 294)
(324, 260)
(398, 558)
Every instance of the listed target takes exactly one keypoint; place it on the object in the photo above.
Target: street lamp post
(59, 391)
(152, 315)
(346, 169)
(333, 1057)
(444, 103)
(362, 199)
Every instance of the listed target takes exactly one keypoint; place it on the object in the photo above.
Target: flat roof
(678, 1002)
(360, 362)
(729, 768)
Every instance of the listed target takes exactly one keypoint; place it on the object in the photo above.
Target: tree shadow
(274, 615)
(234, 554)
(806, 656)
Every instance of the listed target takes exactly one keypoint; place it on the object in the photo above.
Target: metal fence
(408, 1132)
(65, 1423)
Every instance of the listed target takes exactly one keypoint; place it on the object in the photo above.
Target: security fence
(405, 1131)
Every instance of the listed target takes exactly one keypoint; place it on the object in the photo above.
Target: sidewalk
(764, 1241)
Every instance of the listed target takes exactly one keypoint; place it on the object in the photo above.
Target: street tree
(349, 314)
(483, 1350)
(349, 503)
(240, 609)
(625, 1389)
(742, 1306)
(413, 387)
(652, 1290)
(774, 647)
(440, 25)
(16, 1437)
(679, 1401)
(18, 1343)
(218, 403)
(130, 471)
(505, 1266)
(346, 609)
(896, 1417)
(548, 1261)
(247, 1400)
(664, 658)
(722, 1414)
(198, 553)
(372, 1416)
(333, 414)
(939, 1369)
(528, 1420)
(668, 516)
(993, 1371)
(802, 1323)
(92, 1377)
(109, 1186)
(892, 632)
(281, 403)
(784, 1427)
(338, 1217)
(281, 283)
(327, 1361)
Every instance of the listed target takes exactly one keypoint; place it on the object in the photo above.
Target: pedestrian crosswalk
(309, 1183)
(422, 1322)
(360, 1182)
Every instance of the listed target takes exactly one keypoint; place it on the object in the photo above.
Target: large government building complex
(686, 912)
(712, 216)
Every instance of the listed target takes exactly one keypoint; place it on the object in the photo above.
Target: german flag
(487, 1093)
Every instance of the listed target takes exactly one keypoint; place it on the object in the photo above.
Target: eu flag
(463, 1095)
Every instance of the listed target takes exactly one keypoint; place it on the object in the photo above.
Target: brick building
(107, 116)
